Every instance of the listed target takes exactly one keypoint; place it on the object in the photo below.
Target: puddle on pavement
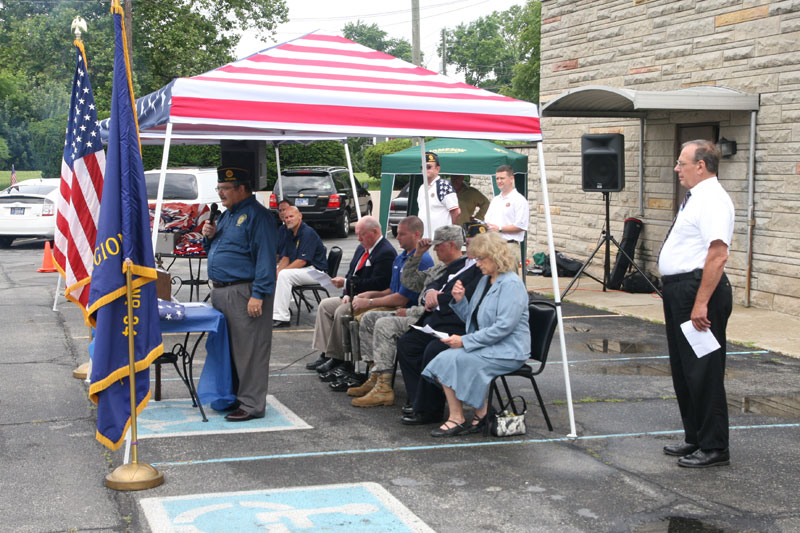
(679, 524)
(613, 346)
(787, 406)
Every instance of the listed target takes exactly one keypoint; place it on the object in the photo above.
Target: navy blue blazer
(376, 273)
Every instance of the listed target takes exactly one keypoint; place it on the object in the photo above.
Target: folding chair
(298, 291)
(542, 319)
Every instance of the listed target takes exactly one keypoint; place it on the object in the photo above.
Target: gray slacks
(250, 342)
(327, 327)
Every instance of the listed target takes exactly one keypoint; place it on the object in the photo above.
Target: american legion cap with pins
(232, 174)
(473, 228)
(430, 157)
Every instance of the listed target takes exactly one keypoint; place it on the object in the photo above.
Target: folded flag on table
(170, 310)
(122, 233)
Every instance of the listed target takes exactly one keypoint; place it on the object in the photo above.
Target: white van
(187, 185)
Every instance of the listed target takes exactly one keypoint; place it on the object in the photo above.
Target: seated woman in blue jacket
(497, 341)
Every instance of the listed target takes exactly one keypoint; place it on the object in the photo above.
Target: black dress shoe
(450, 430)
(419, 419)
(679, 450)
(240, 415)
(280, 324)
(335, 374)
(706, 458)
(345, 382)
(408, 409)
(321, 360)
(329, 365)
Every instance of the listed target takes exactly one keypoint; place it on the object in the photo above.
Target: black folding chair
(299, 291)
(542, 320)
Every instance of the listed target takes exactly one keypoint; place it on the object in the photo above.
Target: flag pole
(133, 475)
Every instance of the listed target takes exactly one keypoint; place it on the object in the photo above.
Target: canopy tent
(318, 86)
(456, 156)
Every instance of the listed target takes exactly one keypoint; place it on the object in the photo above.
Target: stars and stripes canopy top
(326, 86)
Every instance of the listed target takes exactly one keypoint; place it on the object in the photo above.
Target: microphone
(212, 217)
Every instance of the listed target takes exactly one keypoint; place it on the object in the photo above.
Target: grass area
(372, 184)
(22, 175)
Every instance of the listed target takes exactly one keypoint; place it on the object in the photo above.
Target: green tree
(373, 154)
(373, 37)
(500, 52)
(170, 39)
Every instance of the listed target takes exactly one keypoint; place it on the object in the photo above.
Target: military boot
(366, 387)
(381, 394)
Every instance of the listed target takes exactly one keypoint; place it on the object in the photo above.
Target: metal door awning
(605, 101)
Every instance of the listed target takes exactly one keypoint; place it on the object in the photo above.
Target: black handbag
(506, 423)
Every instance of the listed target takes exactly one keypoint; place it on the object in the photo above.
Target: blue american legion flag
(122, 232)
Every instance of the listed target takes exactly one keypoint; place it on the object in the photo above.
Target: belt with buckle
(221, 284)
(672, 278)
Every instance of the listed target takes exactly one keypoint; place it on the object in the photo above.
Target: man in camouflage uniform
(380, 330)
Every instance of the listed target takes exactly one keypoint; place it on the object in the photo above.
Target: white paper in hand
(322, 278)
(430, 331)
(702, 342)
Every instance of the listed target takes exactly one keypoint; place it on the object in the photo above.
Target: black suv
(323, 195)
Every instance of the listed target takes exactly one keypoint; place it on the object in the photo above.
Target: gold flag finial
(78, 26)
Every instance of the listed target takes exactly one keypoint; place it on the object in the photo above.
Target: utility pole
(444, 51)
(415, 53)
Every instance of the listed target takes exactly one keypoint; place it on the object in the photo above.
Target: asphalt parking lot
(317, 463)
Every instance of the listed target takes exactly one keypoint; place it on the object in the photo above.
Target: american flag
(13, 176)
(82, 169)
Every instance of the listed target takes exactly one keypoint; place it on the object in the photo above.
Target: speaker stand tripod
(606, 238)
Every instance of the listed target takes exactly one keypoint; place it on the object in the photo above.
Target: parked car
(188, 185)
(398, 209)
(28, 209)
(323, 195)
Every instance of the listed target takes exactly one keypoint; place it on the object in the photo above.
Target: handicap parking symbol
(344, 507)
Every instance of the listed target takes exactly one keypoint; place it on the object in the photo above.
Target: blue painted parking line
(636, 358)
(352, 507)
(177, 418)
(479, 444)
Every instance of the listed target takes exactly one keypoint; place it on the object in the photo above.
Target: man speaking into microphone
(241, 267)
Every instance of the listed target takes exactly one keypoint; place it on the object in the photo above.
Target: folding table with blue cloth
(215, 387)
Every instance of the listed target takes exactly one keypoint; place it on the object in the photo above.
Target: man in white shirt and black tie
(695, 288)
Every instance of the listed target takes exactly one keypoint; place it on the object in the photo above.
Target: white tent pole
(58, 288)
(427, 219)
(161, 179)
(556, 292)
(352, 179)
(278, 166)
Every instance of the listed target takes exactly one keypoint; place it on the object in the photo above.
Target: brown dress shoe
(239, 415)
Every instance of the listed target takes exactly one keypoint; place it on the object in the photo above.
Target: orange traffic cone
(47, 260)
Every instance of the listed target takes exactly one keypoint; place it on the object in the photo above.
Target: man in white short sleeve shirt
(442, 198)
(696, 291)
(509, 212)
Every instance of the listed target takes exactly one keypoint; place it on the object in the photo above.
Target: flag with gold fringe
(82, 168)
(123, 232)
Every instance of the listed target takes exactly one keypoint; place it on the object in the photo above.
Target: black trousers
(699, 382)
(414, 351)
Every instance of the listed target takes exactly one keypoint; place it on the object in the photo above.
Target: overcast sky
(394, 18)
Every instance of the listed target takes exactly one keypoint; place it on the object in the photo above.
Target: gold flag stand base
(81, 372)
(134, 476)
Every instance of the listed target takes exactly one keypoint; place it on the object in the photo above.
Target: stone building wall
(748, 45)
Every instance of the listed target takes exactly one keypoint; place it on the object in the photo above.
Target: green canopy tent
(467, 157)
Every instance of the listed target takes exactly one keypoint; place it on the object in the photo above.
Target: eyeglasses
(429, 166)
(680, 163)
(226, 188)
